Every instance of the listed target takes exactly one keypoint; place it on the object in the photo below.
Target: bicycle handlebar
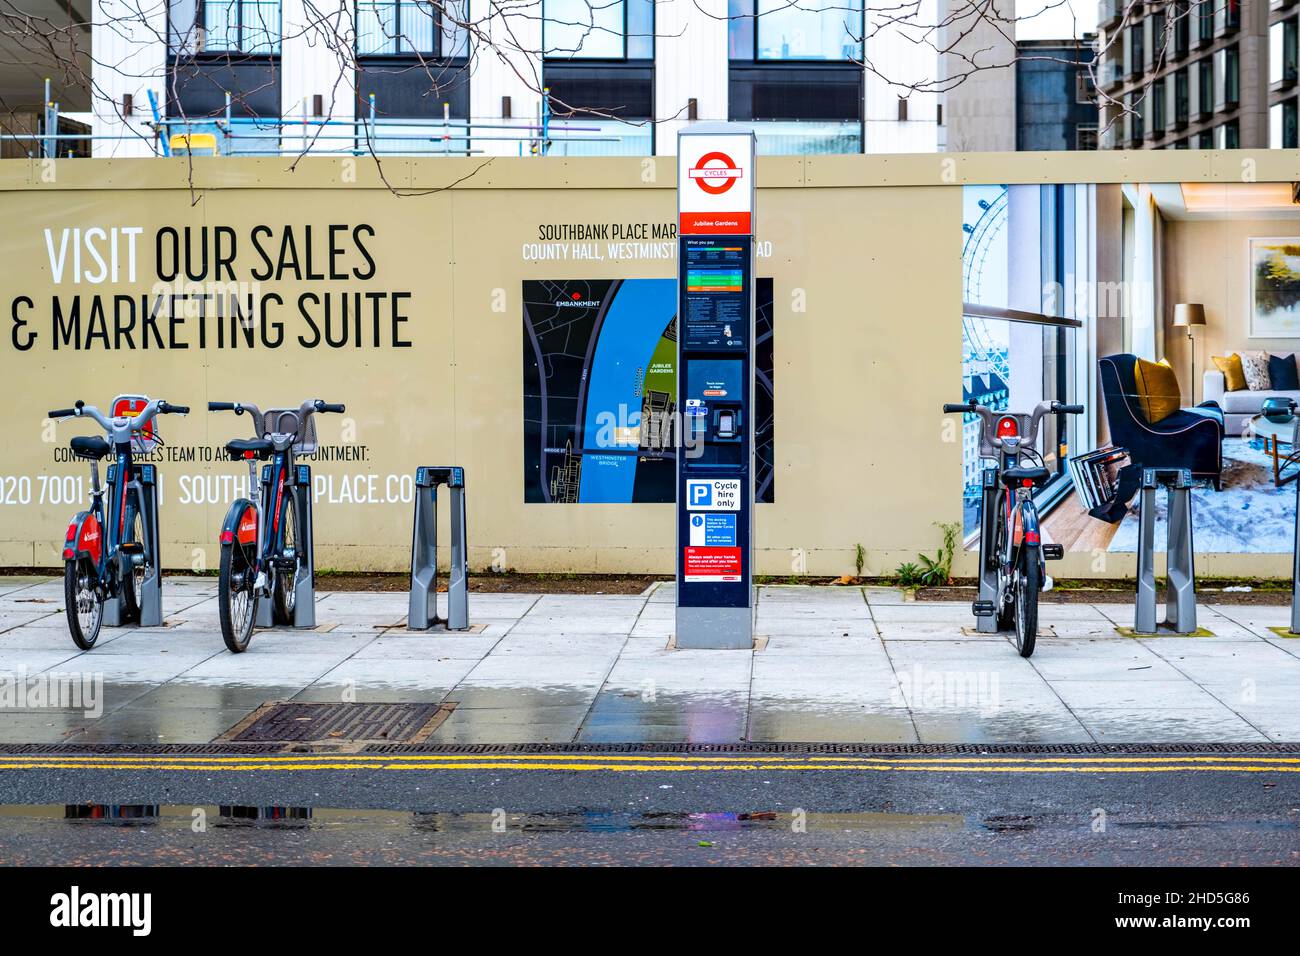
(156, 406)
(322, 406)
(988, 416)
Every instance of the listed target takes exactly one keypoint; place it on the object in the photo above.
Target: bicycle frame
(278, 436)
(99, 536)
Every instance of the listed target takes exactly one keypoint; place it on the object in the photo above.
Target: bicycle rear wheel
(85, 609)
(1028, 582)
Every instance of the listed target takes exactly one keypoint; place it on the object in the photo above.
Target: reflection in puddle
(591, 821)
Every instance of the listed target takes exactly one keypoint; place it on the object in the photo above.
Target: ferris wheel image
(983, 354)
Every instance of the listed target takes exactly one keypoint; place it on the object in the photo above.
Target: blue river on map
(632, 328)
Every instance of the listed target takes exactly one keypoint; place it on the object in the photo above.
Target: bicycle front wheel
(1029, 581)
(286, 580)
(85, 609)
(236, 596)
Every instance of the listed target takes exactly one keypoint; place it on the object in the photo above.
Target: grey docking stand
(988, 585)
(422, 613)
(145, 486)
(1180, 608)
(304, 581)
(1295, 568)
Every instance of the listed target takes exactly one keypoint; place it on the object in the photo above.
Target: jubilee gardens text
(207, 290)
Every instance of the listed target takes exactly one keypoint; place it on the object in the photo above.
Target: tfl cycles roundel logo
(715, 179)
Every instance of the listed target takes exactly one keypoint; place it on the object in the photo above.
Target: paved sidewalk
(842, 664)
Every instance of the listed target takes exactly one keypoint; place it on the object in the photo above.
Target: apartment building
(1195, 74)
(565, 77)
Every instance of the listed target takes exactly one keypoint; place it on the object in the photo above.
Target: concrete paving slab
(44, 727)
(435, 676)
(1169, 725)
(775, 721)
(144, 725)
(618, 716)
(264, 668)
(1040, 726)
(1132, 695)
(402, 646)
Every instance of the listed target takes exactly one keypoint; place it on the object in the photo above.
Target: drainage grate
(845, 748)
(301, 722)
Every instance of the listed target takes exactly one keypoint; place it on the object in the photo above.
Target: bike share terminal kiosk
(715, 386)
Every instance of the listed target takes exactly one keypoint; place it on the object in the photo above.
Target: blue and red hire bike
(263, 538)
(108, 551)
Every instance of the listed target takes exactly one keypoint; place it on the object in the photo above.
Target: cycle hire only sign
(715, 386)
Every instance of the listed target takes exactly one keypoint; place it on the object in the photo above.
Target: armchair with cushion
(1144, 417)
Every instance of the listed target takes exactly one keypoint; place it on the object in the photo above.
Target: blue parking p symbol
(701, 494)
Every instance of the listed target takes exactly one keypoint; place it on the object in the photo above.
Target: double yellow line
(659, 763)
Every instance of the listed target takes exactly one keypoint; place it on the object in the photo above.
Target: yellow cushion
(1157, 388)
(1234, 379)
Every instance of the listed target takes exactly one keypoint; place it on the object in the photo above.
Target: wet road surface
(547, 809)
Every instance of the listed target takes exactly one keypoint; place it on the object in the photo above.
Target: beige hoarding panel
(865, 258)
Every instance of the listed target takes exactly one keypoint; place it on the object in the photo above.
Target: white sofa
(1241, 405)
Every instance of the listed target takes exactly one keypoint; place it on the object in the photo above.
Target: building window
(1230, 13)
(1135, 105)
(243, 26)
(1157, 97)
(1283, 53)
(395, 27)
(614, 30)
(1283, 132)
(1227, 135)
(1226, 78)
(1182, 17)
(1136, 50)
(1084, 90)
(1204, 21)
(1085, 136)
(1205, 87)
(1159, 39)
(1182, 102)
(823, 31)
(902, 109)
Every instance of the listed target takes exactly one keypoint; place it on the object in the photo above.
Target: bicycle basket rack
(143, 440)
(1096, 475)
(285, 421)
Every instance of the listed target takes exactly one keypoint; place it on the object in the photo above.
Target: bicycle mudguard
(1026, 529)
(85, 538)
(240, 523)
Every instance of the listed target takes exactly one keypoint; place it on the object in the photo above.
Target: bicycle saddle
(89, 446)
(239, 447)
(1030, 473)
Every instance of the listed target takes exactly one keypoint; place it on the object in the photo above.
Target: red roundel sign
(717, 178)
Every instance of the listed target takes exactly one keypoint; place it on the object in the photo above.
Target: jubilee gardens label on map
(715, 284)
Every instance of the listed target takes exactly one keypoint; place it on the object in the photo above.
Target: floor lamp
(1188, 315)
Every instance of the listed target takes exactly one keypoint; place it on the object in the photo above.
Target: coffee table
(1273, 435)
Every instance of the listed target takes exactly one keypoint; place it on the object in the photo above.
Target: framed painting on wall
(1274, 287)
